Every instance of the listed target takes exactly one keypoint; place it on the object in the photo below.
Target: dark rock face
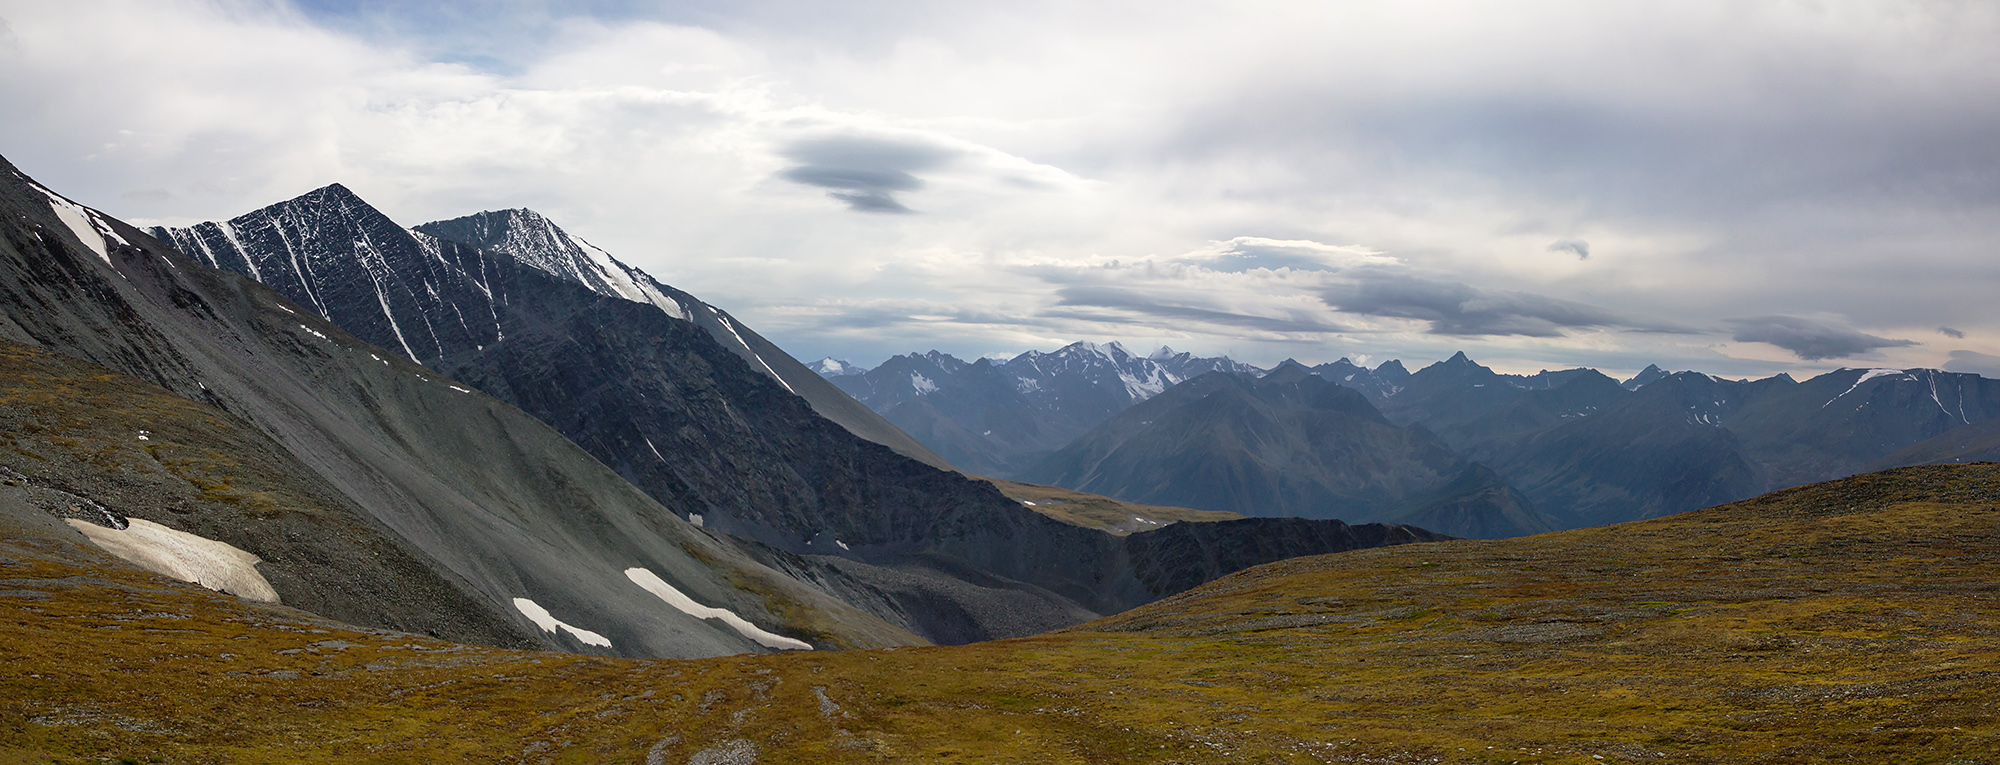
(329, 250)
(538, 243)
(998, 417)
(493, 503)
(1289, 444)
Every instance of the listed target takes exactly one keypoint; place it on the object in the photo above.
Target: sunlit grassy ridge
(1094, 511)
(1856, 620)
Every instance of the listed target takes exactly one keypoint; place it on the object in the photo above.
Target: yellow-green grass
(1853, 622)
(1094, 511)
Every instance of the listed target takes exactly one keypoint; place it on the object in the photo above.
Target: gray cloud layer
(1812, 157)
(1146, 305)
(865, 172)
(1571, 245)
(1809, 339)
(1456, 308)
(1984, 364)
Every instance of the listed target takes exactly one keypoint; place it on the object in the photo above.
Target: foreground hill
(1849, 621)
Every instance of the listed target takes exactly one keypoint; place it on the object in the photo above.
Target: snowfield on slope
(654, 584)
(216, 565)
(549, 623)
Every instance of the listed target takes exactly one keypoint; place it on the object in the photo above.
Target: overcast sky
(1734, 187)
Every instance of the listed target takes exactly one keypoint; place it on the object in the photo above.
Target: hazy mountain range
(996, 417)
(1555, 449)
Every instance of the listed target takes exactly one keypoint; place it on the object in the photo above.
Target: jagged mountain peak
(533, 240)
(1288, 371)
(1646, 376)
(1459, 365)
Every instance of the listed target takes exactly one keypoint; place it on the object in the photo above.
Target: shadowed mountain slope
(1689, 440)
(997, 417)
(1978, 442)
(1289, 444)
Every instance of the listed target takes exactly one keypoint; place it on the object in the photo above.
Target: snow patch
(541, 617)
(79, 222)
(654, 584)
(189, 558)
(461, 390)
(694, 518)
(923, 384)
(724, 320)
(843, 545)
(1865, 377)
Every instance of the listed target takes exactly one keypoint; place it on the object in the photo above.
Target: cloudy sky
(1741, 188)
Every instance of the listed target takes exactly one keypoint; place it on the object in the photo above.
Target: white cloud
(1719, 159)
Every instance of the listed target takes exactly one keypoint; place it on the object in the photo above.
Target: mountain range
(996, 417)
(1289, 443)
(1556, 449)
(534, 447)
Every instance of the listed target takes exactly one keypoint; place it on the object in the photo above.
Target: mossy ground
(1856, 621)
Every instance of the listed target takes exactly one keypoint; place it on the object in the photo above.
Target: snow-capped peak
(832, 367)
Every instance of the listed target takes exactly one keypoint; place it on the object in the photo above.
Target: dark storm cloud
(1572, 245)
(1456, 308)
(865, 172)
(1951, 333)
(1809, 339)
(1139, 303)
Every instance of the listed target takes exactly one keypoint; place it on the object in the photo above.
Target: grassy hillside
(1852, 621)
(1094, 511)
